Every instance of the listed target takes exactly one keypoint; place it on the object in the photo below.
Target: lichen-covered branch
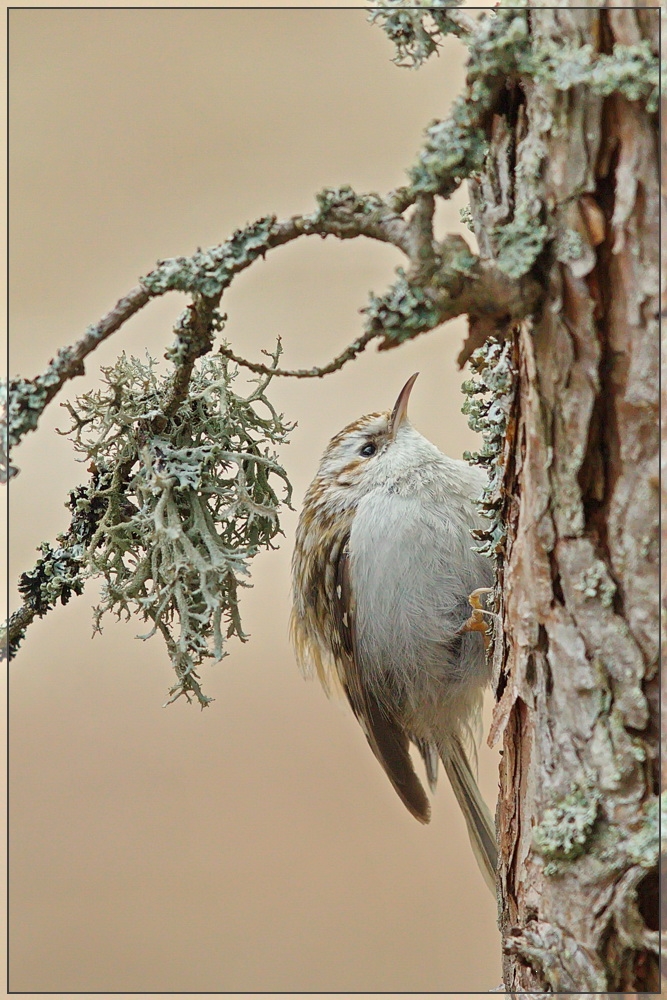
(501, 51)
(341, 213)
(205, 276)
(194, 332)
(60, 570)
(461, 283)
(26, 399)
(208, 273)
(445, 280)
(455, 148)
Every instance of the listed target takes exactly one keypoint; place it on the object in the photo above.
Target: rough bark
(577, 649)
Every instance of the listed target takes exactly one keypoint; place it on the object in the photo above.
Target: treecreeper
(382, 575)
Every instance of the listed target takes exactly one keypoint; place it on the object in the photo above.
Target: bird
(383, 576)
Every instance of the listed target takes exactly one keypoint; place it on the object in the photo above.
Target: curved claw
(476, 622)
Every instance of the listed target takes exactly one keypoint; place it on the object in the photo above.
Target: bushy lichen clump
(414, 30)
(630, 70)
(489, 400)
(345, 197)
(178, 505)
(466, 216)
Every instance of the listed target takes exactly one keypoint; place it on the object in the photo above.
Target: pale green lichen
(490, 394)
(177, 506)
(453, 151)
(185, 347)
(501, 50)
(413, 307)
(415, 29)
(403, 312)
(630, 70)
(60, 570)
(643, 847)
(22, 403)
(208, 272)
(456, 147)
(57, 574)
(465, 214)
(566, 827)
(345, 197)
(596, 582)
(519, 243)
(568, 245)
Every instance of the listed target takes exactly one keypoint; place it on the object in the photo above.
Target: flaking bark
(576, 657)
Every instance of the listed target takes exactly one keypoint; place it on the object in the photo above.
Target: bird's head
(374, 449)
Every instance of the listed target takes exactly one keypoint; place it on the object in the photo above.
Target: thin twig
(68, 362)
(27, 398)
(350, 352)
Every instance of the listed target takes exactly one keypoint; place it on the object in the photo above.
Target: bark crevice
(578, 581)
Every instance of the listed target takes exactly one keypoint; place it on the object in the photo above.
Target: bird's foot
(477, 622)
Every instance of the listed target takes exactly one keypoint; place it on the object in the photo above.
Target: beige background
(256, 846)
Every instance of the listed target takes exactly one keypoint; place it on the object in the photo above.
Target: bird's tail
(481, 828)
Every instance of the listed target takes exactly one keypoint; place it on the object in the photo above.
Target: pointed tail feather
(481, 829)
(391, 746)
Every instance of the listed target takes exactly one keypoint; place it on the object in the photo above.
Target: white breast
(411, 570)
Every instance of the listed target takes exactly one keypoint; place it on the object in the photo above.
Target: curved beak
(400, 412)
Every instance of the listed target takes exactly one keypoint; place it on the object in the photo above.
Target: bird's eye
(368, 449)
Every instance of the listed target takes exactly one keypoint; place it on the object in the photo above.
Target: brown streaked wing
(385, 736)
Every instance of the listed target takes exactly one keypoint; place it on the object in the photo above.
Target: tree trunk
(576, 649)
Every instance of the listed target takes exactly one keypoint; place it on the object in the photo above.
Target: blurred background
(256, 846)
